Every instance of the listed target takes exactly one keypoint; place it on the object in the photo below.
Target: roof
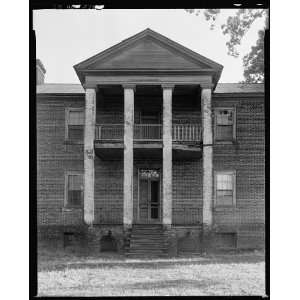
(222, 88)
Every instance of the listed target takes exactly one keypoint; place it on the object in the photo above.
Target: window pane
(225, 117)
(224, 182)
(224, 198)
(76, 118)
(75, 198)
(76, 132)
(224, 132)
(75, 182)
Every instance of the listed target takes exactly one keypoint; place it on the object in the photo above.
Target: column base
(170, 238)
(207, 238)
(127, 229)
(91, 239)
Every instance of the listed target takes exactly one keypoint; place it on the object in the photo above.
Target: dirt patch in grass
(64, 273)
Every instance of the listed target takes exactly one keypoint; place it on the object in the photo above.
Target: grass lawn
(67, 274)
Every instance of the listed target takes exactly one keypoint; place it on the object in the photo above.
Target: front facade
(150, 145)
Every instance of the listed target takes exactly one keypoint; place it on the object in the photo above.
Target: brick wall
(246, 157)
(187, 192)
(108, 191)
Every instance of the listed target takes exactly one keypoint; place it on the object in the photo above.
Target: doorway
(149, 204)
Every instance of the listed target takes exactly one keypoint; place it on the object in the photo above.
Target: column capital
(168, 86)
(90, 86)
(206, 86)
(129, 86)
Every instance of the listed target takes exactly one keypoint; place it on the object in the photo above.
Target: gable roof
(148, 50)
(222, 88)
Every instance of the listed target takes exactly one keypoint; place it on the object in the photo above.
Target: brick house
(150, 154)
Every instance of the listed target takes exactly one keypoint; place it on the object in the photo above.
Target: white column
(89, 172)
(207, 135)
(167, 154)
(128, 154)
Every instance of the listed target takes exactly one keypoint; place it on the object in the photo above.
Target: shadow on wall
(108, 243)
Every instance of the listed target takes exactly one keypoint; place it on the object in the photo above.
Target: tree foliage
(236, 27)
(253, 62)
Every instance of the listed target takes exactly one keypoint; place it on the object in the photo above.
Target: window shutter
(76, 117)
(76, 125)
(225, 117)
(224, 129)
(75, 190)
(225, 189)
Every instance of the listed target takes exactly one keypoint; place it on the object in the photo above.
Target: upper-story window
(75, 124)
(225, 188)
(74, 189)
(224, 124)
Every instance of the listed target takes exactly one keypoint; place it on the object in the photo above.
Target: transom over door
(149, 196)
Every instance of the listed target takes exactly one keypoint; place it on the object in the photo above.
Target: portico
(173, 69)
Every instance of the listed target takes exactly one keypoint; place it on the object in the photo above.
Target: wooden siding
(54, 157)
(147, 54)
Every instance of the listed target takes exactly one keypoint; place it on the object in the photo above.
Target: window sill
(71, 208)
(228, 142)
(225, 208)
(73, 142)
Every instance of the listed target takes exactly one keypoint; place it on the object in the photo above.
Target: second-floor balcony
(149, 132)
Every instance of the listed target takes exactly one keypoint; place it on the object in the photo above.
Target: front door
(149, 196)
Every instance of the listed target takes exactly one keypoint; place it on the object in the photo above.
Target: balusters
(180, 132)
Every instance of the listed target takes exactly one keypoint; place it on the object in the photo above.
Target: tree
(236, 27)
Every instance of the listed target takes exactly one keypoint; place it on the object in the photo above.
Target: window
(75, 124)
(225, 189)
(224, 124)
(74, 189)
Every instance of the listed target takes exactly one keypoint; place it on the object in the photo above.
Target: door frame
(150, 221)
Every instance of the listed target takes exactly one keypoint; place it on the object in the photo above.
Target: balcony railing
(149, 132)
(109, 132)
(186, 132)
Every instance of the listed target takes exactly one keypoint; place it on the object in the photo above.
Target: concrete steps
(147, 241)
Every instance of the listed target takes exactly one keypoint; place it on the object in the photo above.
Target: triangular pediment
(147, 50)
(147, 53)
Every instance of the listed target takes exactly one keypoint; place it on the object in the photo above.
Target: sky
(67, 37)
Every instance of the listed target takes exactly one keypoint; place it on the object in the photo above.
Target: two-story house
(150, 154)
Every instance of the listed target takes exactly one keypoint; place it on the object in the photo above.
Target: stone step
(146, 241)
(134, 256)
(147, 245)
(148, 251)
(148, 238)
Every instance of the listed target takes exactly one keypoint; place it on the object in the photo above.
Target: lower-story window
(74, 189)
(225, 188)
